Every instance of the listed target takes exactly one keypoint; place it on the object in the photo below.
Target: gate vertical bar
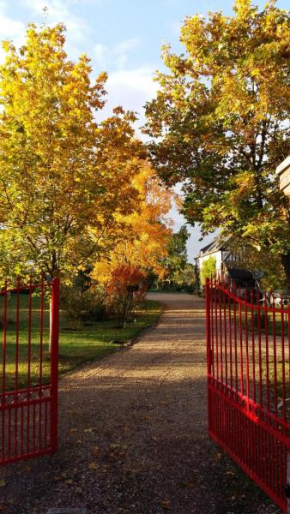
(208, 346)
(54, 362)
(288, 454)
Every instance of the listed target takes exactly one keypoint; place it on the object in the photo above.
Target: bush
(82, 305)
(124, 292)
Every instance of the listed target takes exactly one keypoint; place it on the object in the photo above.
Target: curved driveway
(133, 433)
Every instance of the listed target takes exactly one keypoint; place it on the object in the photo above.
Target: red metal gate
(248, 350)
(29, 382)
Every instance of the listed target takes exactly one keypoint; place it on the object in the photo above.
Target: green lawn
(93, 341)
(260, 323)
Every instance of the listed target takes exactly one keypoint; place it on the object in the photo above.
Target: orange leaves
(123, 276)
(144, 237)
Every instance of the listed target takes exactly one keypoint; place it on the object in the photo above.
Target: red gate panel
(29, 381)
(248, 355)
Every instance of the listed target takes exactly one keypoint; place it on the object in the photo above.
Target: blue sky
(122, 37)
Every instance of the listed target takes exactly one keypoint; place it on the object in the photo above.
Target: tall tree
(176, 261)
(221, 123)
(143, 241)
(64, 178)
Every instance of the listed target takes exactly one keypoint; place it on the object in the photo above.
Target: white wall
(218, 257)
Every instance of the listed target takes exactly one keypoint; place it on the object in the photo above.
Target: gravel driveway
(133, 434)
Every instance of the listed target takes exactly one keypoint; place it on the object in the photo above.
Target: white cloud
(10, 29)
(101, 55)
(127, 45)
(116, 55)
(138, 79)
(131, 89)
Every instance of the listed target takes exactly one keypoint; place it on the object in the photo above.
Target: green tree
(64, 179)
(176, 261)
(208, 269)
(221, 119)
(186, 278)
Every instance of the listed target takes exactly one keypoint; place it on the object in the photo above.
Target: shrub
(81, 304)
(124, 292)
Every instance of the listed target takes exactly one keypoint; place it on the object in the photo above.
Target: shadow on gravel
(148, 454)
(133, 436)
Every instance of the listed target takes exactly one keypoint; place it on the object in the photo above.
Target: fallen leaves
(165, 505)
(2, 483)
(117, 451)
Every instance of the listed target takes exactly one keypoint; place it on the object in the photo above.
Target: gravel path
(133, 434)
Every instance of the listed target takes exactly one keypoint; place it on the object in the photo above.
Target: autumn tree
(221, 124)
(65, 180)
(145, 233)
(141, 250)
(125, 289)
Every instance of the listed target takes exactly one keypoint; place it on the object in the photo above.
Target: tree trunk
(285, 259)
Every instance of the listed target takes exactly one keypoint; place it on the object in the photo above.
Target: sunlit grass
(93, 341)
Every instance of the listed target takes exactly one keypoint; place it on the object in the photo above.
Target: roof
(239, 273)
(216, 245)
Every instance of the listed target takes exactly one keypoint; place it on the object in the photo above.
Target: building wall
(218, 257)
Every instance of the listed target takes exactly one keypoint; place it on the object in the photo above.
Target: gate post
(54, 362)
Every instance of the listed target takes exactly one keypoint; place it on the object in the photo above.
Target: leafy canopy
(64, 179)
(220, 123)
(176, 261)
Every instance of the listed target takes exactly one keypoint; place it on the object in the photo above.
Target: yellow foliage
(145, 232)
(66, 182)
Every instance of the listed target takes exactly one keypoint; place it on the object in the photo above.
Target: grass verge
(76, 347)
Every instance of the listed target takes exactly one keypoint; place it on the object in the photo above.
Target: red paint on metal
(54, 361)
(28, 398)
(247, 393)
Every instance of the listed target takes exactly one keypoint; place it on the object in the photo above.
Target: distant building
(227, 262)
(283, 173)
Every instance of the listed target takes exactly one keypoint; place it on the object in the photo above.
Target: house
(226, 262)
